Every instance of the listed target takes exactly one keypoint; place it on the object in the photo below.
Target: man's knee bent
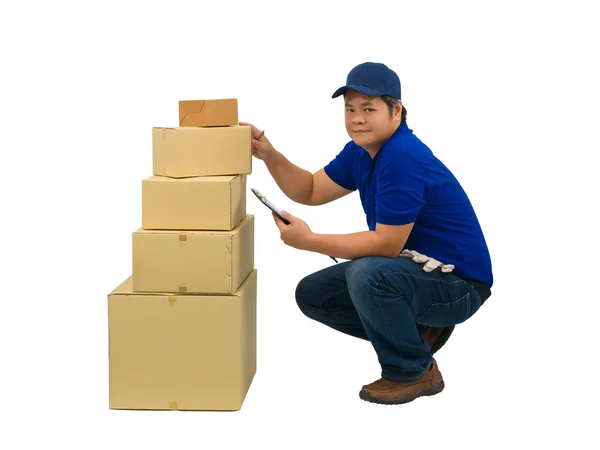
(364, 277)
(360, 275)
(305, 294)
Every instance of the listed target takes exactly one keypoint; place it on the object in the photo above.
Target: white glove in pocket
(430, 263)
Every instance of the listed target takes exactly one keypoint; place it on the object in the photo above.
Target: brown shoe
(392, 393)
(436, 337)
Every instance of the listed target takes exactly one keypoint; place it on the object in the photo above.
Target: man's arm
(300, 185)
(325, 190)
(386, 240)
(295, 182)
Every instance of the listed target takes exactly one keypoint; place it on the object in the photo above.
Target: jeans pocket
(446, 314)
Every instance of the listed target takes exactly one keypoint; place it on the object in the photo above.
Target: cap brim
(361, 89)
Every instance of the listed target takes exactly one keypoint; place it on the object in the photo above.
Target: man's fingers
(286, 214)
(276, 217)
(254, 132)
(278, 221)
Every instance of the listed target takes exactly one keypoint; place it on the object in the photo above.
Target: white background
(505, 93)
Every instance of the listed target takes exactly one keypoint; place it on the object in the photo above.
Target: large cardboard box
(183, 352)
(208, 113)
(210, 261)
(196, 203)
(201, 151)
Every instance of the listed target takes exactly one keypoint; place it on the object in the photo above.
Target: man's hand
(261, 146)
(297, 234)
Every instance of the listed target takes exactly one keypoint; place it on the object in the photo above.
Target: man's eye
(369, 109)
(348, 110)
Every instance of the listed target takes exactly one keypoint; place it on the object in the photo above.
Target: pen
(262, 133)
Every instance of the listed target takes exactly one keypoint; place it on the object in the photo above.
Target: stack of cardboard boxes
(182, 327)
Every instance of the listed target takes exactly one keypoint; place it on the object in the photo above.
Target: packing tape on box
(173, 405)
(172, 300)
(182, 288)
(182, 239)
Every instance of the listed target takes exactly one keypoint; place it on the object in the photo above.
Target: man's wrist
(271, 156)
(311, 241)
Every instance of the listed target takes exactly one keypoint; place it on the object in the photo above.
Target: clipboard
(273, 208)
(270, 205)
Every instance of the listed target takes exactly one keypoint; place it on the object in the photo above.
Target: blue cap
(372, 79)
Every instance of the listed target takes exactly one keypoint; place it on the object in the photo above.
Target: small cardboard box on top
(195, 203)
(208, 113)
(195, 261)
(181, 352)
(201, 151)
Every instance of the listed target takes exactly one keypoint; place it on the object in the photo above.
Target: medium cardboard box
(183, 352)
(208, 113)
(206, 262)
(201, 151)
(196, 203)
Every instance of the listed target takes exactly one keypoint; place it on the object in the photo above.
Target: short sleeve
(341, 168)
(401, 190)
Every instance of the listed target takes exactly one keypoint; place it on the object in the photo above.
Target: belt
(482, 289)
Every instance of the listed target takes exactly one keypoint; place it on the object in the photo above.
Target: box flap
(207, 179)
(125, 289)
(190, 107)
(234, 231)
(208, 112)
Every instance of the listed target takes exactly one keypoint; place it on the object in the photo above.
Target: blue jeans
(387, 301)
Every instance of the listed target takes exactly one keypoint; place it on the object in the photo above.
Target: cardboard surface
(208, 113)
(196, 203)
(201, 151)
(184, 352)
(207, 262)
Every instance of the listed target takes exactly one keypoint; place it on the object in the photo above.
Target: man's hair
(391, 102)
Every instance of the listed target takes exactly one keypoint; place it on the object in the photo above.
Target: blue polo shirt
(406, 183)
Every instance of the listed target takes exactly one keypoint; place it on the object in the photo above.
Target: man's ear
(398, 109)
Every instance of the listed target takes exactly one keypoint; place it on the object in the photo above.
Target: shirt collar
(403, 128)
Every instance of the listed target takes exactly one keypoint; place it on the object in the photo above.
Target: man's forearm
(294, 181)
(350, 246)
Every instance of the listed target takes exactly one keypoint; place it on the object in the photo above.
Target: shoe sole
(404, 399)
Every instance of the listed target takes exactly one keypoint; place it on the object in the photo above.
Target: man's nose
(357, 119)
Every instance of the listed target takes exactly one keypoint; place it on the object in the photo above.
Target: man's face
(368, 120)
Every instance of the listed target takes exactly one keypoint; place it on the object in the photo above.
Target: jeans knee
(305, 293)
(358, 274)
(370, 276)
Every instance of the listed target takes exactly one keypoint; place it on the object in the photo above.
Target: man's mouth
(360, 131)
